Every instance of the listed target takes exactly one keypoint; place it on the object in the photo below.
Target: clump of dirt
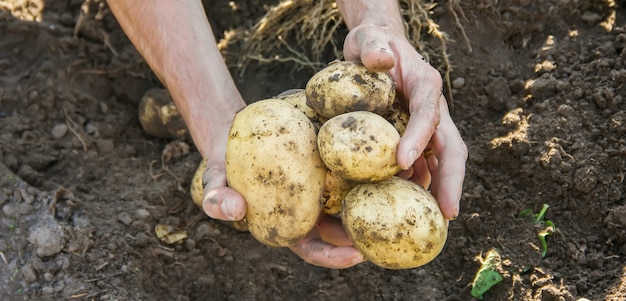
(539, 100)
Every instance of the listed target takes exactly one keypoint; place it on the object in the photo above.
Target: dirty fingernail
(228, 208)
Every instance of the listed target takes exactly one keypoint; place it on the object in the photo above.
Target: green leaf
(487, 275)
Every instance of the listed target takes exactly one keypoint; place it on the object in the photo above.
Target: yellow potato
(159, 117)
(359, 146)
(347, 86)
(297, 98)
(396, 224)
(272, 159)
(398, 117)
(335, 190)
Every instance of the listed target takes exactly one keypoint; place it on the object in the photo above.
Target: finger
(422, 175)
(406, 174)
(420, 128)
(451, 154)
(224, 203)
(331, 231)
(313, 250)
(368, 44)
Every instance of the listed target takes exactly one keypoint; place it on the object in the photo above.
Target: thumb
(369, 44)
(220, 201)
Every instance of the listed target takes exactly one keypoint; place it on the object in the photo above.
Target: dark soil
(539, 101)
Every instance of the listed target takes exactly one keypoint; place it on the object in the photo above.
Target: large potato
(347, 86)
(272, 159)
(359, 146)
(396, 224)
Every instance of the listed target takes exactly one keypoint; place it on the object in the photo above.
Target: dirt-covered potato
(398, 117)
(197, 195)
(395, 223)
(347, 86)
(360, 146)
(272, 159)
(197, 188)
(297, 98)
(335, 190)
(159, 117)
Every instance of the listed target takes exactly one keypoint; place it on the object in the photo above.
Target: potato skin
(272, 159)
(335, 190)
(359, 146)
(396, 224)
(297, 98)
(347, 86)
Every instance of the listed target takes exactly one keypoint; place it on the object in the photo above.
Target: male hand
(430, 126)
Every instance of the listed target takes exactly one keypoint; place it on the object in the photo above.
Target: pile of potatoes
(331, 148)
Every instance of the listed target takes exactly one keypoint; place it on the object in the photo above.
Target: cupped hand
(327, 245)
(430, 125)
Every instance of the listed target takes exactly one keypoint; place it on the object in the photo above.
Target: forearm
(384, 13)
(175, 39)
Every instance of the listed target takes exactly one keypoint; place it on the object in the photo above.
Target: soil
(539, 100)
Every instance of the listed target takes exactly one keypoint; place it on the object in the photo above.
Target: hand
(430, 125)
(328, 245)
(186, 59)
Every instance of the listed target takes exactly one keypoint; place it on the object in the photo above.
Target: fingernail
(455, 213)
(412, 156)
(228, 208)
(357, 259)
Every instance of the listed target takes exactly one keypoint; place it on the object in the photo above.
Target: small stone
(205, 230)
(125, 218)
(11, 210)
(59, 130)
(142, 214)
(48, 240)
(565, 110)
(28, 272)
(458, 83)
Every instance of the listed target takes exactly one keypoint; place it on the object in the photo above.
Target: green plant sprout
(539, 219)
(488, 275)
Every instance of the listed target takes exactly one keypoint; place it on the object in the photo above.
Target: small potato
(335, 190)
(398, 117)
(396, 224)
(347, 86)
(272, 159)
(159, 117)
(359, 146)
(297, 98)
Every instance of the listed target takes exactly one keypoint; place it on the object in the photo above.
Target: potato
(197, 195)
(335, 190)
(396, 224)
(347, 86)
(159, 117)
(197, 187)
(297, 98)
(359, 146)
(272, 159)
(398, 117)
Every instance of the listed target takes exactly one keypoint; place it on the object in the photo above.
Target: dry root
(309, 34)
